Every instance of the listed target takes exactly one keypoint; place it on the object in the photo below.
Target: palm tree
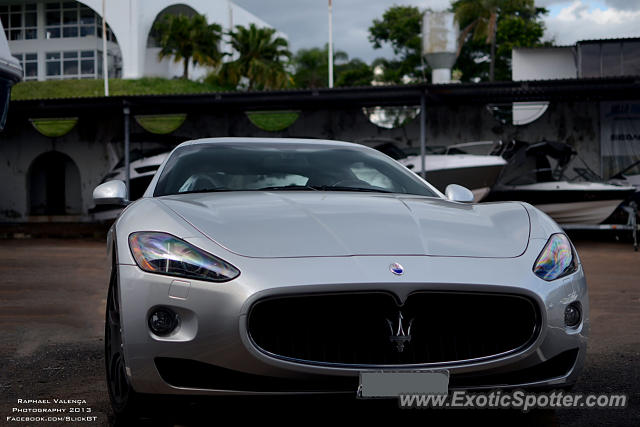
(481, 18)
(312, 66)
(262, 57)
(189, 39)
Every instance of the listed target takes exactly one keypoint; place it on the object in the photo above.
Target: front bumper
(213, 337)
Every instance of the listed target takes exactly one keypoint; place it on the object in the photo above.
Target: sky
(306, 23)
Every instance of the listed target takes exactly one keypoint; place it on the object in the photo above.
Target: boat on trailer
(529, 177)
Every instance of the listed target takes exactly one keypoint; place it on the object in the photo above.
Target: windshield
(281, 167)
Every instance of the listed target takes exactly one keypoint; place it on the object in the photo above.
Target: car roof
(276, 141)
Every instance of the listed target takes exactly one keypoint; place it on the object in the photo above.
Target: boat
(10, 73)
(451, 165)
(529, 177)
(629, 176)
(142, 168)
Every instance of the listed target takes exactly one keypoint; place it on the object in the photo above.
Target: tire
(126, 403)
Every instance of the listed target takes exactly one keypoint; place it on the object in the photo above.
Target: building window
(29, 64)
(72, 64)
(113, 65)
(88, 62)
(20, 21)
(72, 19)
(54, 64)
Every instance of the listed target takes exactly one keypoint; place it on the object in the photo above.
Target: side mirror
(458, 193)
(111, 193)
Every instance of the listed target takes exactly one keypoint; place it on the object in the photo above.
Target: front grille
(356, 328)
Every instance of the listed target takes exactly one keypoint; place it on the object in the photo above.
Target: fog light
(162, 321)
(572, 314)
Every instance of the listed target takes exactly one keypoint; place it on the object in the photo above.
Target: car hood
(305, 224)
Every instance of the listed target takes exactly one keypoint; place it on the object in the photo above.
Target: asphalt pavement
(52, 298)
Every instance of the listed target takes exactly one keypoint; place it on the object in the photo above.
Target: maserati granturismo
(289, 266)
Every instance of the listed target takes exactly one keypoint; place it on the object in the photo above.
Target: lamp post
(330, 45)
(105, 69)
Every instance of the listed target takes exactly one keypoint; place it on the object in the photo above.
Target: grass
(273, 121)
(54, 127)
(161, 124)
(94, 88)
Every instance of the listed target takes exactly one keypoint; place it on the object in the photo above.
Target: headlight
(556, 259)
(163, 253)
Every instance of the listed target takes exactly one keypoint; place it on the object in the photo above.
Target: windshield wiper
(206, 190)
(287, 187)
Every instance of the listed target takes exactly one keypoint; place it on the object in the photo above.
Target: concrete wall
(168, 68)
(21, 144)
(93, 142)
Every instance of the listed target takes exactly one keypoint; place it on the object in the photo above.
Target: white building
(586, 59)
(63, 39)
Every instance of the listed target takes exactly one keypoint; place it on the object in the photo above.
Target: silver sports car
(290, 266)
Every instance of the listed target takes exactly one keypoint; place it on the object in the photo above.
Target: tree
(400, 27)
(262, 57)
(311, 66)
(480, 18)
(499, 24)
(188, 39)
(515, 31)
(354, 73)
(393, 71)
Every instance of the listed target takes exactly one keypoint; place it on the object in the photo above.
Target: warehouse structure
(55, 151)
(50, 177)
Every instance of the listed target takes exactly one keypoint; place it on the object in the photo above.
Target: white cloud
(578, 21)
(305, 22)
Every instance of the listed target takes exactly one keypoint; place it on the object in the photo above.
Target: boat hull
(591, 204)
(594, 212)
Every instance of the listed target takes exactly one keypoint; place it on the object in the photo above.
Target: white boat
(529, 177)
(476, 172)
(10, 73)
(569, 202)
(142, 168)
(629, 176)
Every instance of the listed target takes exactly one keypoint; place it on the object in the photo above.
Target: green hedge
(273, 121)
(92, 88)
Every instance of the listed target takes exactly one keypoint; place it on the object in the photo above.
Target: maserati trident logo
(399, 336)
(396, 269)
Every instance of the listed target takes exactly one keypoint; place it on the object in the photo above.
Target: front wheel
(126, 403)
